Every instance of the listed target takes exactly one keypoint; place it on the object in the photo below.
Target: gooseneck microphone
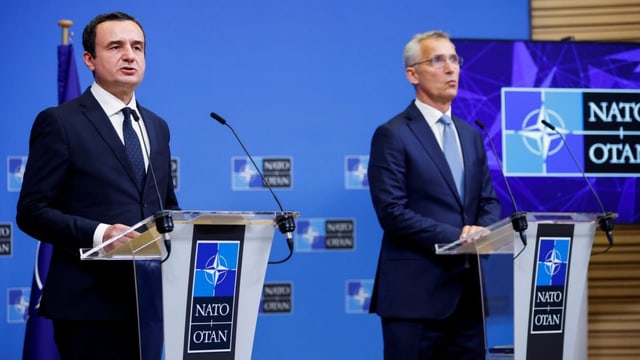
(605, 220)
(162, 218)
(518, 218)
(284, 220)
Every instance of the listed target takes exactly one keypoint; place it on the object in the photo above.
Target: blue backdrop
(307, 82)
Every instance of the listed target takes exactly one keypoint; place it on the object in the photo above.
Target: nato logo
(18, 305)
(549, 293)
(355, 172)
(601, 126)
(553, 262)
(309, 235)
(315, 234)
(215, 268)
(530, 147)
(277, 172)
(358, 296)
(211, 325)
(15, 172)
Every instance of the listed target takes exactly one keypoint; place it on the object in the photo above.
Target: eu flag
(38, 339)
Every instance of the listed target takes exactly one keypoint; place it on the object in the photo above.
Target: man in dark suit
(430, 306)
(80, 189)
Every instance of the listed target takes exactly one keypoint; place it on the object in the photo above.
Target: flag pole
(39, 343)
(65, 24)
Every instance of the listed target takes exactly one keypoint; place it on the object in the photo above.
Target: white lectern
(213, 269)
(536, 292)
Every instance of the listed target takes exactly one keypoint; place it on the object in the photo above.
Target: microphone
(162, 218)
(605, 220)
(284, 220)
(518, 218)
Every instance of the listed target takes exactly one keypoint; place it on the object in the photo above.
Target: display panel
(588, 91)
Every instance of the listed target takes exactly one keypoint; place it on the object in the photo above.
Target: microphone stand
(162, 219)
(605, 220)
(284, 220)
(518, 218)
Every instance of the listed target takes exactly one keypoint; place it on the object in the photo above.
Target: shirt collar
(109, 103)
(431, 114)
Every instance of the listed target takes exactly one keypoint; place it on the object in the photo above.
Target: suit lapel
(418, 125)
(100, 121)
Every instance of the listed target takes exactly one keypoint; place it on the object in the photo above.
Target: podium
(535, 296)
(213, 266)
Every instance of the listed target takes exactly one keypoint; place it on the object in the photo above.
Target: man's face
(119, 63)
(436, 81)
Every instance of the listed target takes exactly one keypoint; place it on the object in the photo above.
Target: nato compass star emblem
(359, 296)
(248, 172)
(539, 139)
(16, 166)
(360, 172)
(552, 262)
(216, 269)
(244, 174)
(18, 305)
(310, 235)
(356, 172)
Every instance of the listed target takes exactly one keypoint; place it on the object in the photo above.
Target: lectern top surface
(148, 245)
(499, 237)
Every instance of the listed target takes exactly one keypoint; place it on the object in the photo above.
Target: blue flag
(38, 338)
(68, 83)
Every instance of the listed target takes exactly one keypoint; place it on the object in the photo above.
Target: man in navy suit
(430, 306)
(80, 189)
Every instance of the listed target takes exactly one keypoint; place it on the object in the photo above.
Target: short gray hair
(412, 51)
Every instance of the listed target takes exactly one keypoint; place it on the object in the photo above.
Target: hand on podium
(471, 233)
(117, 229)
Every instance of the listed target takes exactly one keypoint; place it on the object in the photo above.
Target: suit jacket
(418, 206)
(77, 176)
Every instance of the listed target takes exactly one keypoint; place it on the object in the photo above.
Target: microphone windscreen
(218, 118)
(548, 124)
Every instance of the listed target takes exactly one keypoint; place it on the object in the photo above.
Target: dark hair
(89, 32)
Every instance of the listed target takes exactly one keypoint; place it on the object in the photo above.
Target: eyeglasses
(438, 61)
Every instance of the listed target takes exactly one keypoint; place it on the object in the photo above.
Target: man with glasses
(429, 184)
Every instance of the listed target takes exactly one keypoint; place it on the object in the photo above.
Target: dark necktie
(132, 145)
(452, 153)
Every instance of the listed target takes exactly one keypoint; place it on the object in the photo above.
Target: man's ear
(410, 72)
(88, 60)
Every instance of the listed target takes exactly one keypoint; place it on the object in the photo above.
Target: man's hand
(470, 229)
(114, 230)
